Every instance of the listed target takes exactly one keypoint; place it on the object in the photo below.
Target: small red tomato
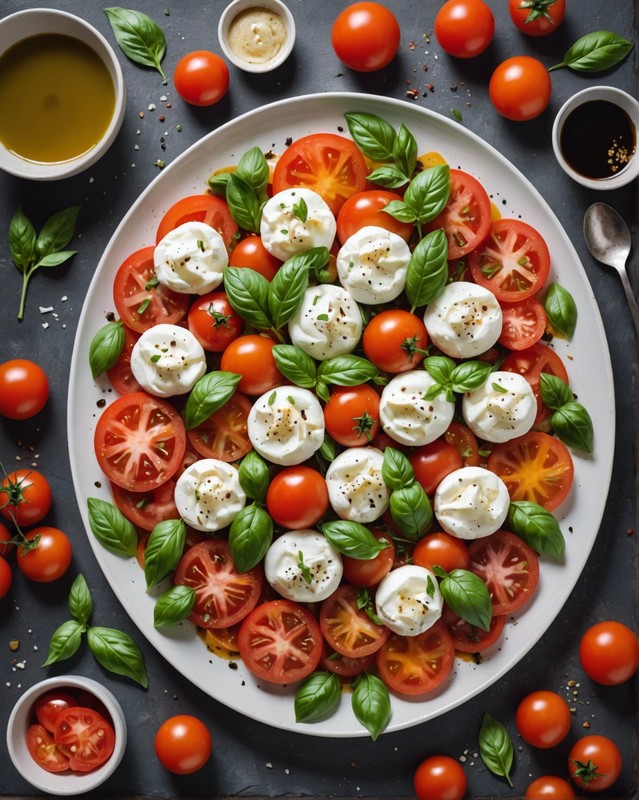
(365, 36)
(24, 389)
(297, 497)
(549, 787)
(183, 744)
(543, 719)
(520, 88)
(464, 28)
(537, 18)
(250, 252)
(25, 497)
(201, 78)
(594, 763)
(609, 652)
(440, 778)
(47, 560)
(6, 577)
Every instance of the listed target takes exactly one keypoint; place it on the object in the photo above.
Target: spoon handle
(631, 299)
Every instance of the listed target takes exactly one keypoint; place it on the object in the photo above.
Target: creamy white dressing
(256, 35)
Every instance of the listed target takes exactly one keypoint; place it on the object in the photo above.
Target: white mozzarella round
(303, 566)
(167, 360)
(328, 322)
(471, 502)
(286, 425)
(208, 495)
(464, 321)
(372, 264)
(406, 416)
(356, 489)
(408, 600)
(295, 220)
(191, 259)
(503, 408)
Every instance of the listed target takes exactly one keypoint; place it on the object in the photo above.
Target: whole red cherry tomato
(594, 763)
(365, 36)
(25, 497)
(49, 559)
(464, 28)
(183, 744)
(520, 88)
(24, 389)
(201, 78)
(543, 719)
(609, 652)
(440, 778)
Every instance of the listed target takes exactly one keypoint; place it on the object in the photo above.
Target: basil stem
(347, 370)
(427, 270)
(209, 394)
(117, 652)
(173, 606)
(352, 539)
(371, 703)
(537, 527)
(105, 347)
(254, 476)
(80, 600)
(139, 37)
(65, 641)
(561, 310)
(573, 425)
(111, 528)
(317, 697)
(163, 550)
(467, 596)
(411, 510)
(496, 747)
(250, 536)
(595, 52)
(397, 470)
(247, 292)
(295, 365)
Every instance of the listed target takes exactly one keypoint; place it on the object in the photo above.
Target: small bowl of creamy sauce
(257, 35)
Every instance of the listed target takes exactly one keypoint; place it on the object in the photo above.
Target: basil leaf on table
(467, 596)
(427, 270)
(371, 703)
(173, 606)
(139, 37)
(80, 600)
(111, 528)
(22, 240)
(595, 52)
(117, 652)
(250, 536)
(411, 510)
(295, 365)
(373, 135)
(105, 347)
(352, 539)
(537, 527)
(317, 696)
(397, 471)
(496, 747)
(573, 425)
(247, 292)
(163, 550)
(65, 641)
(57, 231)
(209, 394)
(561, 310)
(254, 476)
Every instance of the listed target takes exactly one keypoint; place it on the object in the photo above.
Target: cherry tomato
(297, 497)
(224, 435)
(251, 356)
(183, 744)
(520, 88)
(213, 321)
(44, 751)
(365, 36)
(594, 763)
(347, 627)
(250, 252)
(367, 208)
(200, 208)
(85, 737)
(370, 571)
(25, 497)
(543, 719)
(549, 787)
(5, 539)
(201, 78)
(49, 559)
(24, 389)
(433, 462)
(6, 577)
(440, 778)
(395, 340)
(530, 363)
(461, 437)
(470, 638)
(523, 324)
(609, 652)
(120, 373)
(539, 17)
(464, 28)
(146, 509)
(442, 550)
(351, 415)
(49, 705)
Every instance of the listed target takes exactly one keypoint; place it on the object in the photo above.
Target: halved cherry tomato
(297, 497)
(250, 252)
(346, 626)
(280, 642)
(370, 571)
(536, 467)
(120, 373)
(85, 736)
(513, 261)
(25, 497)
(537, 18)
(146, 509)
(200, 208)
(251, 356)
(345, 667)
(223, 596)
(509, 568)
(461, 437)
(367, 208)
(543, 719)
(523, 324)
(49, 559)
(24, 389)
(140, 300)
(224, 435)
(49, 705)
(213, 321)
(351, 415)
(469, 638)
(433, 462)
(395, 340)
(439, 549)
(530, 363)
(44, 751)
(139, 441)
(327, 163)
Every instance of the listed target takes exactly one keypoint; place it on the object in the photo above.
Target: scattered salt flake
(45, 325)
(136, 146)
(35, 648)
(91, 180)
(151, 106)
(268, 765)
(463, 759)
(45, 310)
(64, 298)
(21, 664)
(163, 98)
(287, 771)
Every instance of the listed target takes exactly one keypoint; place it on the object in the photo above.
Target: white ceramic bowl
(32, 22)
(619, 98)
(62, 783)
(234, 55)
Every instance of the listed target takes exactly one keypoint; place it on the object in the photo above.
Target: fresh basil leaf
(469, 375)
(209, 394)
(173, 606)
(371, 703)
(347, 370)
(561, 310)
(389, 177)
(286, 290)
(427, 270)
(405, 150)
(117, 652)
(250, 536)
(163, 550)
(440, 368)
(352, 539)
(317, 697)
(411, 510)
(55, 259)
(254, 476)
(253, 168)
(57, 232)
(65, 641)
(247, 292)
(111, 528)
(555, 393)
(295, 365)
(80, 601)
(105, 347)
(400, 211)
(537, 527)
(496, 747)
(244, 204)
(397, 471)
(427, 193)
(468, 597)
(373, 135)
(573, 425)
(22, 240)
(217, 183)
(326, 452)
(139, 37)
(595, 52)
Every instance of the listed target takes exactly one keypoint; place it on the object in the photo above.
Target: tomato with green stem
(395, 340)
(520, 88)
(24, 389)
(440, 778)
(201, 78)
(549, 787)
(214, 322)
(25, 497)
(365, 36)
(297, 497)
(537, 17)
(464, 28)
(183, 744)
(48, 557)
(594, 763)
(543, 719)
(609, 652)
(351, 415)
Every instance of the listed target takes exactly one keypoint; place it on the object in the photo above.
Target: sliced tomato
(513, 261)
(224, 435)
(530, 363)
(415, 665)
(523, 324)
(466, 217)
(344, 666)
(469, 638)
(140, 300)
(85, 736)
(223, 596)
(465, 441)
(370, 571)
(139, 442)
(44, 751)
(329, 164)
(49, 705)
(223, 641)
(120, 373)
(347, 627)
(509, 568)
(205, 208)
(146, 509)
(536, 467)
(280, 642)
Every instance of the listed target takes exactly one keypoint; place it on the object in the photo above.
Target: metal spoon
(608, 240)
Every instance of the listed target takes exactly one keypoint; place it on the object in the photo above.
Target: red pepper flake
(412, 93)
(425, 67)
(169, 105)
(161, 118)
(630, 532)
(430, 87)
(412, 45)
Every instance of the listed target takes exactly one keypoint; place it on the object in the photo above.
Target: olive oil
(598, 139)
(57, 98)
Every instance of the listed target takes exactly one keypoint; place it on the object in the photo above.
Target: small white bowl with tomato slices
(66, 735)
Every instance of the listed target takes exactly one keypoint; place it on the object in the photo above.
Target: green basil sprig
(346, 370)
(496, 747)
(173, 605)
(371, 703)
(353, 539)
(105, 347)
(467, 596)
(317, 697)
(411, 510)
(537, 527)
(561, 310)
(247, 292)
(30, 250)
(397, 471)
(595, 52)
(427, 270)
(425, 197)
(111, 528)
(554, 392)
(450, 377)
(163, 550)
(252, 168)
(570, 421)
(139, 37)
(209, 394)
(396, 150)
(296, 365)
(245, 205)
(254, 476)
(250, 536)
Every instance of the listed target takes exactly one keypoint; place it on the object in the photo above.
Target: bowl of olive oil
(62, 94)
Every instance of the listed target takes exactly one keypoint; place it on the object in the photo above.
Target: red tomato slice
(85, 736)
(536, 467)
(223, 596)
(140, 300)
(523, 324)
(513, 261)
(347, 628)
(44, 751)
(200, 208)
(139, 442)
(466, 217)
(224, 435)
(530, 363)
(280, 641)
(120, 373)
(415, 665)
(344, 666)
(469, 638)
(465, 441)
(49, 705)
(329, 164)
(146, 509)
(509, 568)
